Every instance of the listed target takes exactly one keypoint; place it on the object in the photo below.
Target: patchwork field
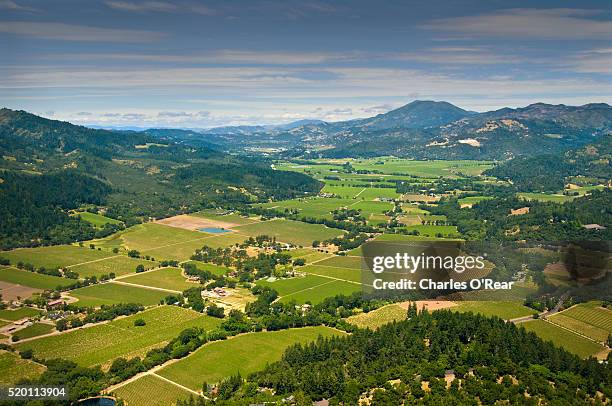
(33, 279)
(243, 354)
(190, 222)
(13, 368)
(544, 197)
(151, 390)
(287, 287)
(345, 274)
(227, 218)
(56, 256)
(319, 293)
(289, 231)
(114, 293)
(165, 278)
(99, 344)
(587, 318)
(563, 338)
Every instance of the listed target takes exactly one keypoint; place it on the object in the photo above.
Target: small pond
(98, 401)
(214, 230)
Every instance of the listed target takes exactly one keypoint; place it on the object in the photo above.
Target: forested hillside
(49, 167)
(438, 358)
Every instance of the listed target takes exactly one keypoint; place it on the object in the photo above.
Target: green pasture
(33, 279)
(114, 293)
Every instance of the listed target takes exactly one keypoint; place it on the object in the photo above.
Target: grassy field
(113, 293)
(470, 200)
(294, 232)
(544, 197)
(97, 220)
(215, 269)
(318, 207)
(13, 368)
(342, 262)
(433, 231)
(503, 310)
(151, 390)
(243, 354)
(308, 254)
(378, 317)
(165, 278)
(33, 279)
(54, 257)
(36, 329)
(18, 314)
(120, 265)
(586, 318)
(99, 344)
(563, 338)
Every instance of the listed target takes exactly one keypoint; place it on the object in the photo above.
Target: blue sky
(188, 63)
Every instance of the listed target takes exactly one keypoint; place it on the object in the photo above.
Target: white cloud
(557, 23)
(68, 32)
(14, 6)
(159, 6)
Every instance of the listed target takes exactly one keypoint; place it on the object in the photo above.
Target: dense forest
(433, 358)
(550, 173)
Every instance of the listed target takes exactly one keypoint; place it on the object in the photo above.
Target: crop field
(289, 231)
(165, 278)
(120, 265)
(308, 254)
(114, 293)
(146, 237)
(563, 338)
(345, 192)
(33, 279)
(321, 292)
(426, 169)
(36, 329)
(544, 197)
(150, 390)
(370, 207)
(54, 257)
(587, 318)
(100, 344)
(346, 274)
(378, 317)
(95, 219)
(289, 286)
(243, 354)
(351, 262)
(14, 369)
(18, 314)
(503, 310)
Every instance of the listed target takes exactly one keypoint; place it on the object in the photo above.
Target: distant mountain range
(429, 129)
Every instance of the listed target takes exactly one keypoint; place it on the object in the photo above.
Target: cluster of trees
(105, 312)
(33, 207)
(545, 221)
(490, 360)
(348, 241)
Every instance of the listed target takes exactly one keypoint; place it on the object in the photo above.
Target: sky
(198, 64)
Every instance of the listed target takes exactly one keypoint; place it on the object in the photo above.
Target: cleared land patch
(243, 354)
(36, 329)
(13, 291)
(95, 219)
(189, 222)
(102, 343)
(18, 314)
(503, 310)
